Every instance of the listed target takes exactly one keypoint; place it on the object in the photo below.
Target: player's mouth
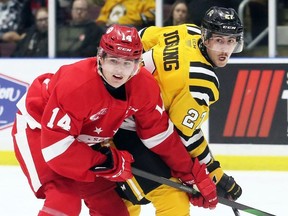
(118, 77)
(222, 57)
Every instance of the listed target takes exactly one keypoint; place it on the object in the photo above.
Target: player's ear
(100, 59)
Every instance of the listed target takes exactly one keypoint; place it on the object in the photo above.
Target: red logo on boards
(253, 103)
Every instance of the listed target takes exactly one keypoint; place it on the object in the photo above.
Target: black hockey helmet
(223, 21)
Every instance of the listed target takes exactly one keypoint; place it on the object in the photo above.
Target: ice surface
(266, 191)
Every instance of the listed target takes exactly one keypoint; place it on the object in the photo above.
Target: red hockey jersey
(74, 111)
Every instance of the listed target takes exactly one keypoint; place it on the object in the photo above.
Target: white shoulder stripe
(147, 58)
(197, 30)
(204, 71)
(57, 148)
(21, 105)
(159, 138)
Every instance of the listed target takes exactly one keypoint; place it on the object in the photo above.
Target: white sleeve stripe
(192, 139)
(23, 146)
(57, 148)
(159, 138)
(206, 160)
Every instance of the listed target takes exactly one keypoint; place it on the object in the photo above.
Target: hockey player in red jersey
(65, 118)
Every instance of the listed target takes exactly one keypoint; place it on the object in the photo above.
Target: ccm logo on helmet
(229, 27)
(124, 49)
(229, 16)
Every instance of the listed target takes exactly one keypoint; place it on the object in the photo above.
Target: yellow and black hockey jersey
(187, 80)
(188, 86)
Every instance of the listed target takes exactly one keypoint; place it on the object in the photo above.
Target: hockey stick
(235, 210)
(188, 189)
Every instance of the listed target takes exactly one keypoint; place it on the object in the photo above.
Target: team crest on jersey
(11, 91)
(96, 116)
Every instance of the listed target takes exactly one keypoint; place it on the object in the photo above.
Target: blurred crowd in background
(80, 23)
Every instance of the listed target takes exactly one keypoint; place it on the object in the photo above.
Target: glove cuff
(226, 182)
(215, 171)
(108, 163)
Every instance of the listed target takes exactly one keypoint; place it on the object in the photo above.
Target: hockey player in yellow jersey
(183, 60)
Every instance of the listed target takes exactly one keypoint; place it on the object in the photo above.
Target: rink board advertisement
(253, 104)
(11, 90)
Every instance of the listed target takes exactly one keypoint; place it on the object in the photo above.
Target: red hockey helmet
(122, 41)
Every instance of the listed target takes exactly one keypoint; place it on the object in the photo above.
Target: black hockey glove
(117, 167)
(226, 185)
(228, 188)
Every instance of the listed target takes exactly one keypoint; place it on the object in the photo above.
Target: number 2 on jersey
(192, 117)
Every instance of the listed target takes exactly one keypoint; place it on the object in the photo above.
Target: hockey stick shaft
(235, 210)
(188, 189)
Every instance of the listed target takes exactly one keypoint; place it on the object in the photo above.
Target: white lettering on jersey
(91, 139)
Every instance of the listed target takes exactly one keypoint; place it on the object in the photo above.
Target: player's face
(117, 70)
(220, 48)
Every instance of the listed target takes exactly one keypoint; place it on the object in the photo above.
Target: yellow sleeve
(186, 114)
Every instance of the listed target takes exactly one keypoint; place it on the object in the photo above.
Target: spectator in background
(10, 18)
(178, 14)
(135, 13)
(35, 41)
(29, 10)
(80, 36)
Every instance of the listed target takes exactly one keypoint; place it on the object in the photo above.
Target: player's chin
(116, 83)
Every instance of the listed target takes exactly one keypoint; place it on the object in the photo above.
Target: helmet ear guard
(225, 22)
